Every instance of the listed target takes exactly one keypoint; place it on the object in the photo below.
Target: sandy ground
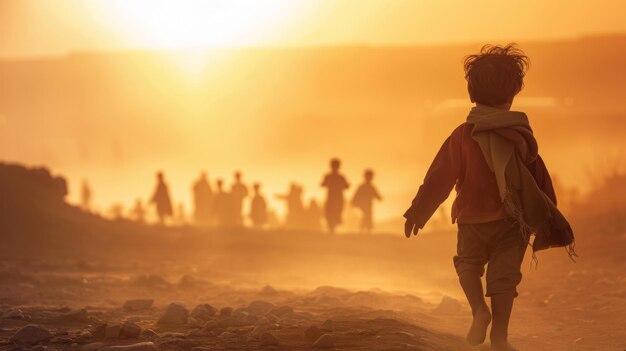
(380, 292)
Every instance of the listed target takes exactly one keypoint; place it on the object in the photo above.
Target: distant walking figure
(313, 216)
(222, 206)
(138, 213)
(238, 192)
(85, 196)
(161, 199)
(364, 198)
(335, 183)
(202, 200)
(295, 206)
(258, 208)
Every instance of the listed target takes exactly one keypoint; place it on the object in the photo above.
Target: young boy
(503, 192)
(336, 184)
(364, 198)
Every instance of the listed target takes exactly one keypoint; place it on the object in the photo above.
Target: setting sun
(198, 24)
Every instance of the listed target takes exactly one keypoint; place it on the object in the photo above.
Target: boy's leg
(503, 276)
(473, 287)
(501, 307)
(469, 263)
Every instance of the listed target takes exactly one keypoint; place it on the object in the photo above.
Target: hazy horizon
(185, 110)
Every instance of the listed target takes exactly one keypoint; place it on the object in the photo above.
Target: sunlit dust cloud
(200, 24)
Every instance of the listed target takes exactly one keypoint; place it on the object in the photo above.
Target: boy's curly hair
(496, 74)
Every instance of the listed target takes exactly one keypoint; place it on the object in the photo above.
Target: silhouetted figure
(295, 206)
(138, 213)
(364, 198)
(336, 184)
(238, 192)
(313, 216)
(223, 206)
(85, 196)
(202, 199)
(258, 208)
(161, 199)
(116, 211)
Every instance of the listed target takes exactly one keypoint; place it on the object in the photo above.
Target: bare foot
(502, 346)
(478, 330)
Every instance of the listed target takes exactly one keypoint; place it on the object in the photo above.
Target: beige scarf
(508, 144)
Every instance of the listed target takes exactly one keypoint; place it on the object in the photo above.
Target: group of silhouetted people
(224, 208)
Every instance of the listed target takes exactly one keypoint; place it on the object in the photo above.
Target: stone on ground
(448, 305)
(269, 339)
(203, 312)
(13, 314)
(313, 333)
(226, 311)
(282, 311)
(324, 342)
(260, 308)
(175, 314)
(149, 334)
(130, 330)
(30, 334)
(112, 331)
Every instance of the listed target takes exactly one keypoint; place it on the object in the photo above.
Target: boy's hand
(409, 226)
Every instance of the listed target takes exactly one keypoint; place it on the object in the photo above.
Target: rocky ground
(217, 297)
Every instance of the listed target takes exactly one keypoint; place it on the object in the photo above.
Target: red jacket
(461, 164)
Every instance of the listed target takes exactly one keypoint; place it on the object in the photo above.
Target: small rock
(226, 311)
(262, 321)
(448, 305)
(30, 334)
(282, 311)
(328, 325)
(13, 314)
(175, 314)
(324, 342)
(142, 346)
(92, 346)
(269, 339)
(149, 334)
(210, 325)
(240, 313)
(258, 331)
(203, 312)
(268, 291)
(194, 323)
(130, 330)
(138, 305)
(313, 333)
(112, 331)
(84, 335)
(99, 331)
(260, 307)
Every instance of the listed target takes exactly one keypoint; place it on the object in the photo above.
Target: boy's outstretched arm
(439, 181)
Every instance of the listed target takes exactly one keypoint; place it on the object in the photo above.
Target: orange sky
(43, 27)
